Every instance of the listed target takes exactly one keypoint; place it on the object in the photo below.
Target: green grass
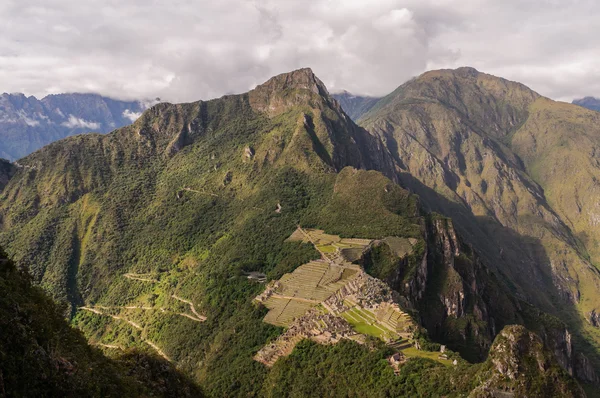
(327, 248)
(412, 352)
(364, 322)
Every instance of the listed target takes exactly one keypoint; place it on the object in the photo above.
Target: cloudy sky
(185, 50)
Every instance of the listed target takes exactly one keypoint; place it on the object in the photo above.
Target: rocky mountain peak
(519, 363)
(304, 79)
(287, 90)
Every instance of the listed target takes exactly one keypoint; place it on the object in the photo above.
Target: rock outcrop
(520, 366)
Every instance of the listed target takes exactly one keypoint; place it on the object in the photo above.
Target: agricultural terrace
(331, 299)
(332, 247)
(310, 284)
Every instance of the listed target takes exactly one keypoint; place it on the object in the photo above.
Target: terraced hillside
(350, 304)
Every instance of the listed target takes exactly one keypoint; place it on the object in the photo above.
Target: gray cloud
(185, 50)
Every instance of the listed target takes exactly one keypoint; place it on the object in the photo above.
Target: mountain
(588, 102)
(517, 172)
(160, 235)
(27, 124)
(355, 105)
(43, 356)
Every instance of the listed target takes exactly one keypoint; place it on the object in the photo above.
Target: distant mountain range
(355, 105)
(27, 124)
(589, 102)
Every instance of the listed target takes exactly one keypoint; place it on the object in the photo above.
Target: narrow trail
(120, 318)
(114, 347)
(135, 325)
(201, 318)
(193, 318)
(160, 352)
(139, 277)
(96, 310)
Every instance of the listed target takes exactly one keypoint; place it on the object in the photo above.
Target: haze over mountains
(27, 124)
(589, 102)
(147, 234)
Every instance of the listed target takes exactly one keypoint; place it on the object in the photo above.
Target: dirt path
(160, 352)
(200, 318)
(135, 325)
(114, 347)
(120, 318)
(95, 311)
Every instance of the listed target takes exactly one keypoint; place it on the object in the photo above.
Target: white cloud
(28, 121)
(75, 122)
(133, 116)
(185, 50)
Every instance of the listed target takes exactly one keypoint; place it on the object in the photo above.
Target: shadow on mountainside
(523, 269)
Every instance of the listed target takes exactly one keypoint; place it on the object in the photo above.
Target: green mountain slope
(517, 366)
(42, 356)
(148, 235)
(515, 171)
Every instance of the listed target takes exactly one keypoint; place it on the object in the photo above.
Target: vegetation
(349, 369)
(193, 197)
(516, 172)
(42, 356)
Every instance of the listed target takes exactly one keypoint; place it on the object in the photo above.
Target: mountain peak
(298, 79)
(464, 72)
(467, 70)
(288, 89)
(592, 103)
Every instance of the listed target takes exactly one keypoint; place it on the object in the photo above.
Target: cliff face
(463, 303)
